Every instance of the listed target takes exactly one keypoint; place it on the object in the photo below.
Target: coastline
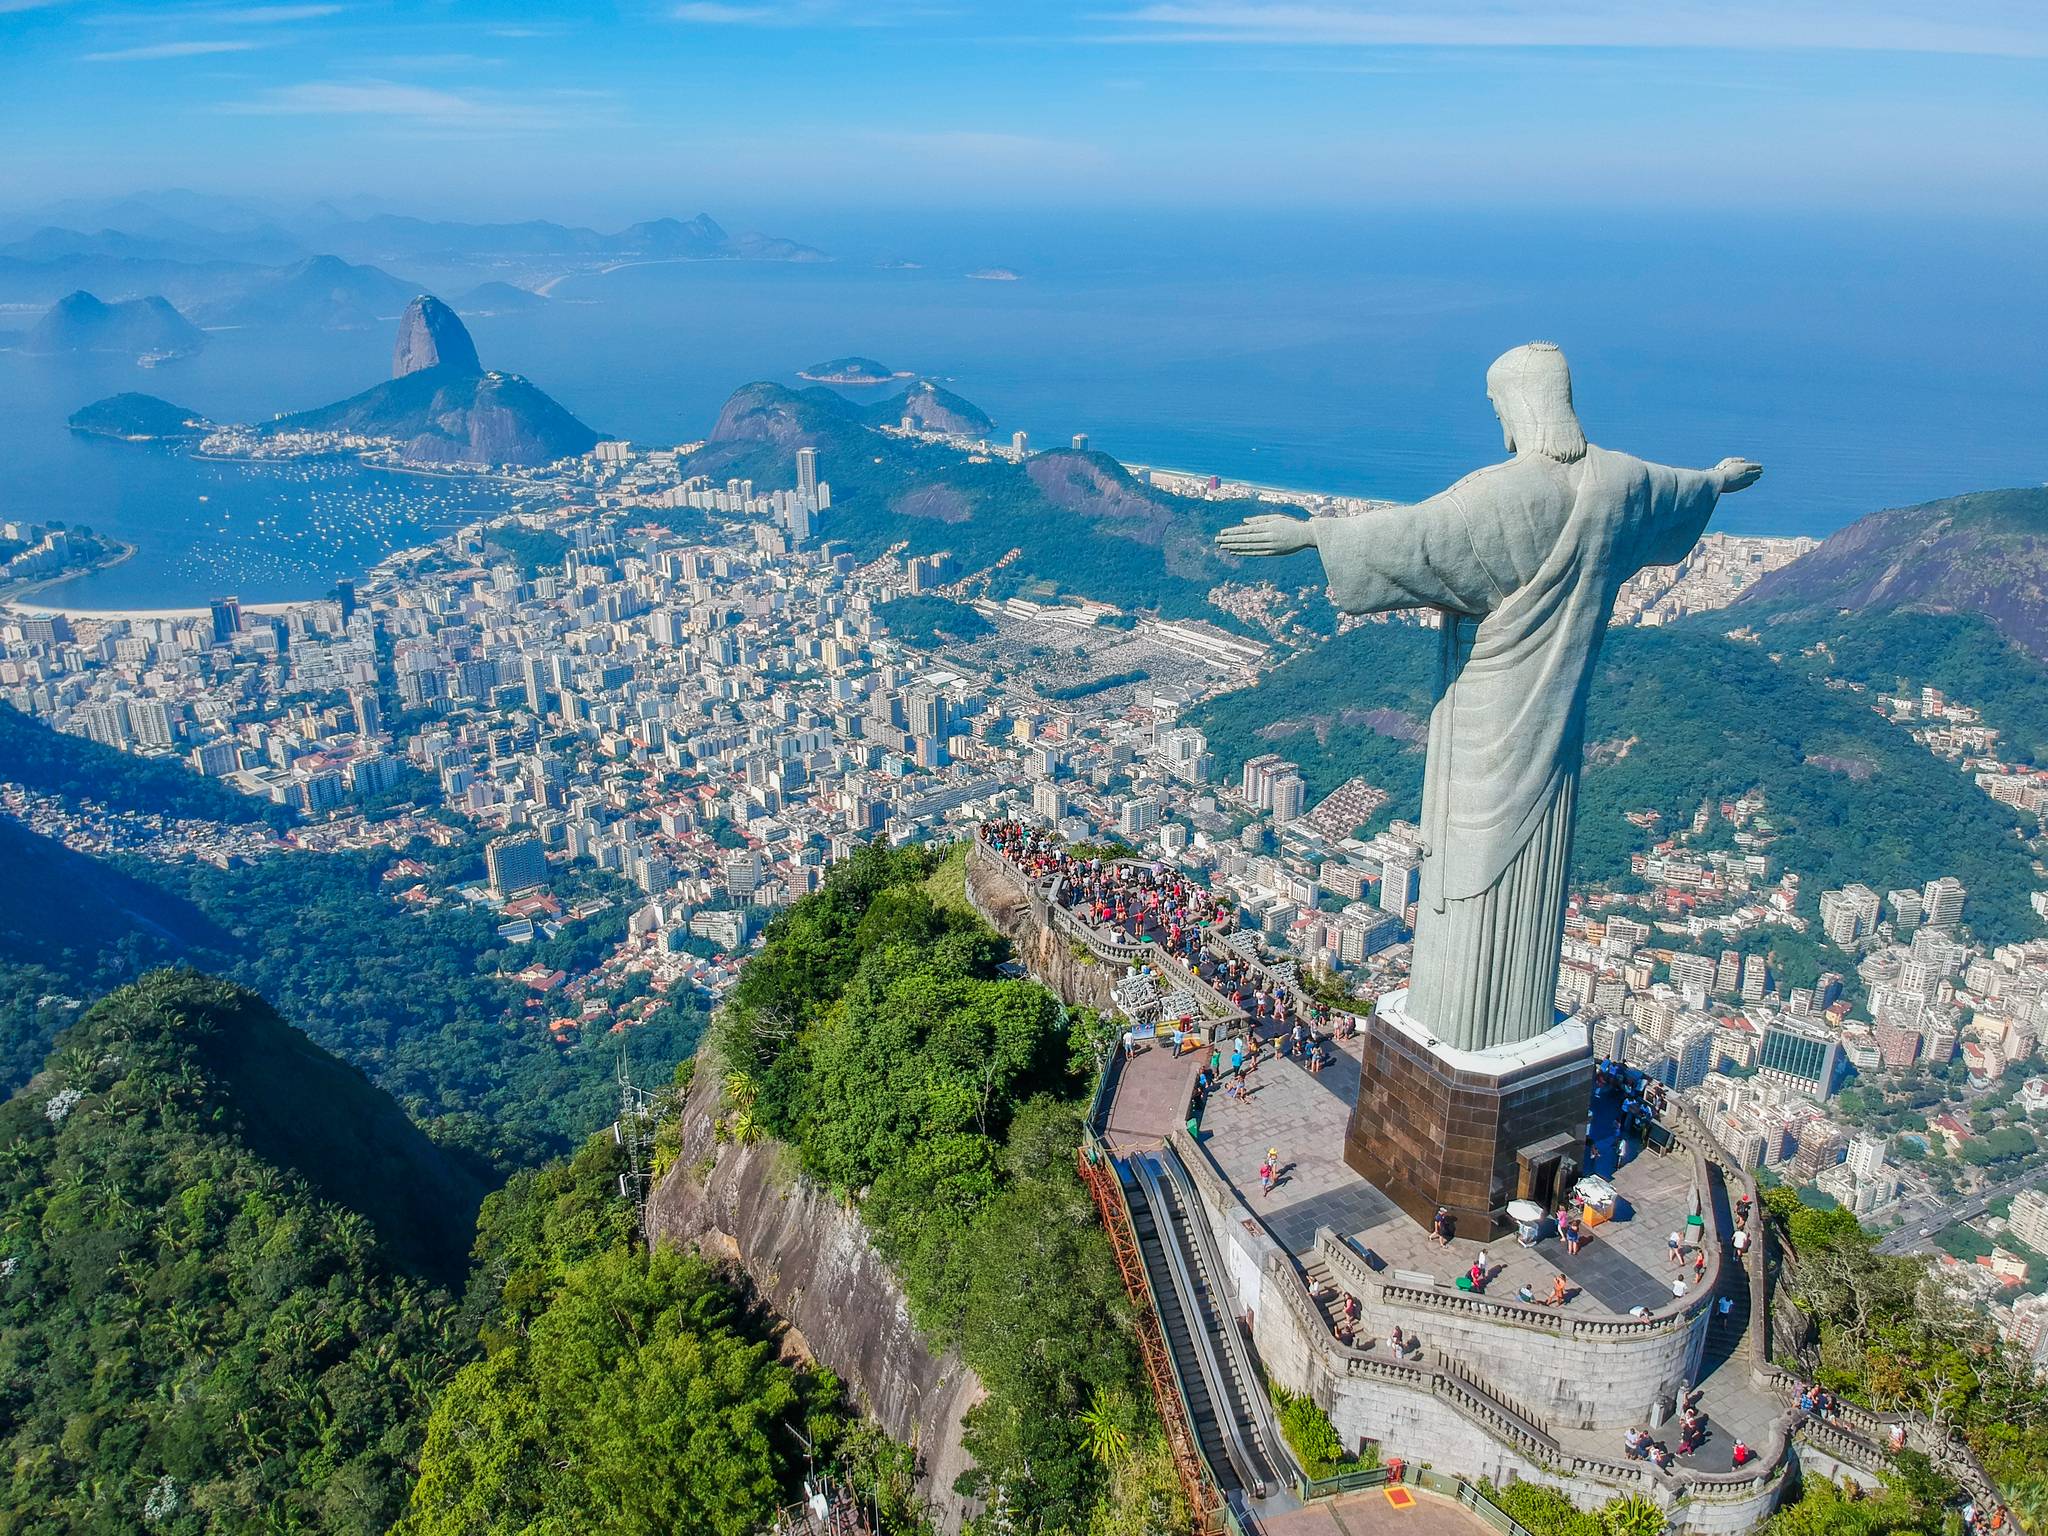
(11, 597)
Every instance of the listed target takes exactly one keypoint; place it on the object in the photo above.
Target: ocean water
(1864, 364)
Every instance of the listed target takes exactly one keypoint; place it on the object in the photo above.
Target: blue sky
(604, 112)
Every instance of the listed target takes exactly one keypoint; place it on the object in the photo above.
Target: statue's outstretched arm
(1270, 533)
(1418, 556)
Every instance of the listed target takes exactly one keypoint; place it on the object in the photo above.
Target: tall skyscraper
(515, 864)
(807, 471)
(226, 613)
(1290, 795)
(1080, 442)
(1020, 443)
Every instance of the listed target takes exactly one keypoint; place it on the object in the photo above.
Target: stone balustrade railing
(1341, 1259)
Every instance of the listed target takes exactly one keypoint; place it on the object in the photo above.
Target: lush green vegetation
(1889, 1337)
(619, 1389)
(932, 621)
(1546, 1512)
(1912, 1503)
(422, 1001)
(875, 1035)
(1962, 654)
(1700, 717)
(532, 550)
(1310, 1434)
(218, 1307)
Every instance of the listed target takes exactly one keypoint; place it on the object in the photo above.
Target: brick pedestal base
(1470, 1130)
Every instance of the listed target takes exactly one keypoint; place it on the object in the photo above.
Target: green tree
(635, 1405)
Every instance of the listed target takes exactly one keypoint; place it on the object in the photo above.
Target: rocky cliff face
(810, 1258)
(1079, 982)
(430, 336)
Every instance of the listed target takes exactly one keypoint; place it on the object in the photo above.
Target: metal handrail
(1254, 1476)
(1279, 1454)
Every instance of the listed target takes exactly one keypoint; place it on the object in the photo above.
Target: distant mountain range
(226, 262)
(444, 407)
(1984, 554)
(196, 229)
(149, 327)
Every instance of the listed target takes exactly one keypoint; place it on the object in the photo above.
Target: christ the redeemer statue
(1523, 561)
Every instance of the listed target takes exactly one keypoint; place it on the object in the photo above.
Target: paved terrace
(1372, 1513)
(1626, 1263)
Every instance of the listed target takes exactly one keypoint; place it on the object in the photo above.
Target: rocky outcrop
(932, 409)
(440, 407)
(1093, 485)
(430, 336)
(999, 895)
(809, 1258)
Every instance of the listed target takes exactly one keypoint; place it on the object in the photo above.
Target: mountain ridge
(1982, 553)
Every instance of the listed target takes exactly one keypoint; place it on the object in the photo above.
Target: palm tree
(1106, 1420)
(1633, 1514)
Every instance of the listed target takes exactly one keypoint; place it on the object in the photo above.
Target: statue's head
(1531, 391)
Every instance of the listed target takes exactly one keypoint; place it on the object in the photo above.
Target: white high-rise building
(807, 472)
(1941, 903)
(1290, 795)
(1398, 880)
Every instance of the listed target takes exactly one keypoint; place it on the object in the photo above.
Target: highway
(1921, 1217)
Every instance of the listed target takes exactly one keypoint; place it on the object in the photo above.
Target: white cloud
(265, 15)
(717, 13)
(421, 108)
(2006, 27)
(186, 50)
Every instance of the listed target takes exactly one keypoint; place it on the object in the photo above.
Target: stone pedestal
(1470, 1130)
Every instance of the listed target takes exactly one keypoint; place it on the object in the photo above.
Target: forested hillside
(420, 999)
(1676, 717)
(615, 1389)
(876, 1036)
(1983, 554)
(1083, 526)
(196, 1334)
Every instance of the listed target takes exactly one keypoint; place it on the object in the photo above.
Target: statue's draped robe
(1524, 559)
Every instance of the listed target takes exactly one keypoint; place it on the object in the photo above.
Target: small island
(851, 370)
(993, 275)
(137, 418)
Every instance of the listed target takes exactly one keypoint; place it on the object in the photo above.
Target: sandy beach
(105, 615)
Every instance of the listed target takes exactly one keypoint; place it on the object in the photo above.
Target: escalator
(1226, 1402)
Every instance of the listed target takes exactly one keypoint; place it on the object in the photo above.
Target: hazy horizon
(478, 110)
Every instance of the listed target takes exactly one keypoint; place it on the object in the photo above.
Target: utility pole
(633, 1131)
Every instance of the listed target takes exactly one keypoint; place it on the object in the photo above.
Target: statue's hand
(1271, 533)
(1737, 474)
